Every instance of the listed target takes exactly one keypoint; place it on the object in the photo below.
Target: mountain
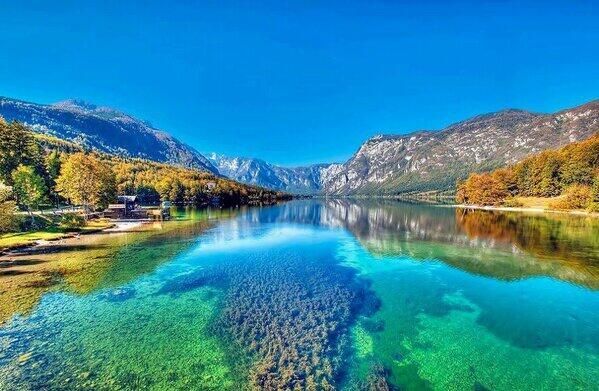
(386, 164)
(104, 129)
(435, 160)
(298, 180)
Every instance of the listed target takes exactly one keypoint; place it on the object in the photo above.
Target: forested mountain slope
(104, 129)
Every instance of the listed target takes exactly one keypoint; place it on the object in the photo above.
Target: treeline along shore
(42, 172)
(560, 179)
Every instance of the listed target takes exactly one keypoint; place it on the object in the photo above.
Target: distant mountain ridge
(386, 164)
(104, 129)
(435, 160)
(297, 180)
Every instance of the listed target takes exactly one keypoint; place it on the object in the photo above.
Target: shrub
(72, 221)
(575, 197)
(34, 222)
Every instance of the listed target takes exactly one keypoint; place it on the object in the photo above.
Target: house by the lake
(126, 208)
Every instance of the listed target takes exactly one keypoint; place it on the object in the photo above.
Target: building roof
(127, 198)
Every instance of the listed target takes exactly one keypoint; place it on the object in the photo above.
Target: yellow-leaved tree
(87, 181)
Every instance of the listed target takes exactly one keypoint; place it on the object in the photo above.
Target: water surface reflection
(314, 294)
(501, 245)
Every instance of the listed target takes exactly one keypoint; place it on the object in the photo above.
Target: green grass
(18, 239)
(23, 238)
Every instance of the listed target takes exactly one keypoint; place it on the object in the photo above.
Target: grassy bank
(15, 240)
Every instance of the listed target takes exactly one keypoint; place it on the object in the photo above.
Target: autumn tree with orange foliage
(482, 189)
(571, 170)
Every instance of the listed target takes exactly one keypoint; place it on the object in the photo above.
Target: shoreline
(522, 209)
(114, 228)
(125, 226)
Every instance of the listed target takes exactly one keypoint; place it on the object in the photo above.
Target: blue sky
(301, 82)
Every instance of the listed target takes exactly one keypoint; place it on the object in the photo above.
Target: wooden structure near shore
(128, 208)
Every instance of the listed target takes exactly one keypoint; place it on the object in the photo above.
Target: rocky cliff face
(104, 129)
(297, 180)
(434, 160)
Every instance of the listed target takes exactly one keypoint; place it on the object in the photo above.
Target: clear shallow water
(312, 294)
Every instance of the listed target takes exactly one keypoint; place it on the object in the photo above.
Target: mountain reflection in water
(311, 294)
(497, 244)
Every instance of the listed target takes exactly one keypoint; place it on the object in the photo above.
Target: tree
(177, 193)
(594, 204)
(29, 188)
(482, 189)
(8, 219)
(508, 180)
(575, 197)
(595, 187)
(163, 187)
(86, 180)
(90, 179)
(5, 192)
(580, 161)
(17, 146)
(571, 170)
(125, 177)
(52, 163)
(549, 185)
(524, 177)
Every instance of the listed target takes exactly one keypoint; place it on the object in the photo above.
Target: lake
(311, 294)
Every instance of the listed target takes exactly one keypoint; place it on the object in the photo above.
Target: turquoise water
(312, 295)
